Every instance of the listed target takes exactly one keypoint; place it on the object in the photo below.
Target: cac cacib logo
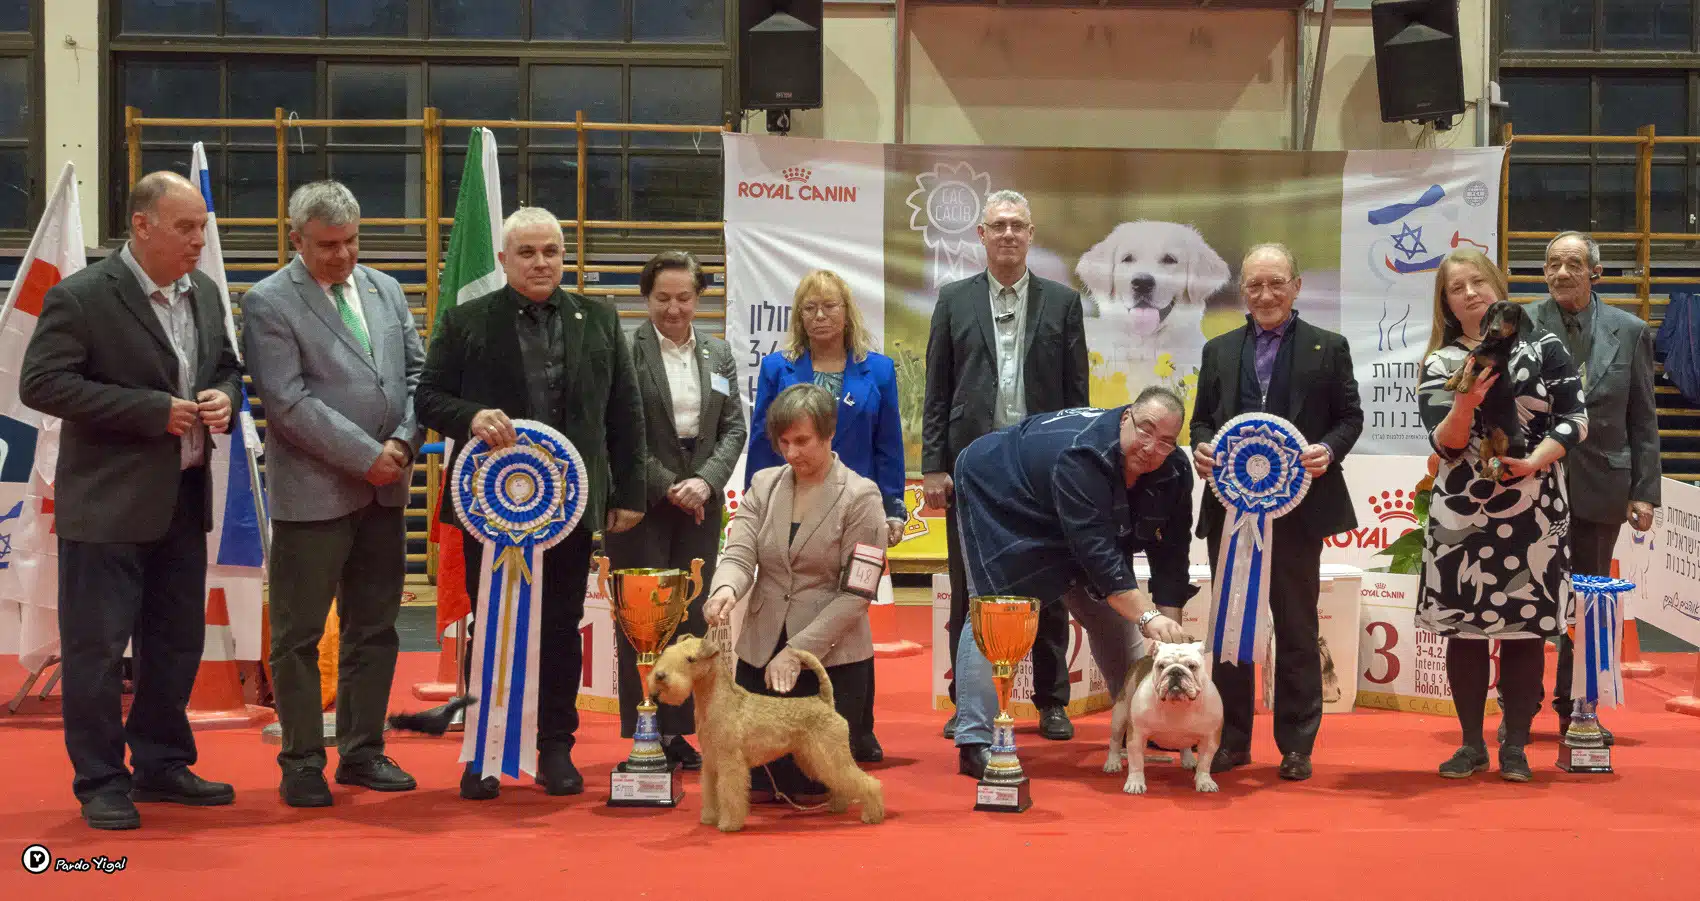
(796, 183)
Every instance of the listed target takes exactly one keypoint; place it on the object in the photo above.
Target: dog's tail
(813, 662)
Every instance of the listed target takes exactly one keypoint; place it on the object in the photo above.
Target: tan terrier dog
(739, 730)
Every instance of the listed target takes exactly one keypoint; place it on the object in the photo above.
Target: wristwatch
(1147, 617)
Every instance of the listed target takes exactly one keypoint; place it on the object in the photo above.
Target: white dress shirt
(683, 382)
(1009, 319)
(173, 306)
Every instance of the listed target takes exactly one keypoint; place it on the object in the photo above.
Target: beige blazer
(795, 585)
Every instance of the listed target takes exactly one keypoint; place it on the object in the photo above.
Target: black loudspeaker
(1419, 69)
(779, 54)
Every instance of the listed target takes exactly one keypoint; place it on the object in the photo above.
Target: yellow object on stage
(330, 647)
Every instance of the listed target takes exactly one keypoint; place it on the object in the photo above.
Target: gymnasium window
(645, 61)
(21, 180)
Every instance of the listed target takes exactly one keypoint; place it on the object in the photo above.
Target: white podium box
(1337, 612)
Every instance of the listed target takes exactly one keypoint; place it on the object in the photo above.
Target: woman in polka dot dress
(1496, 562)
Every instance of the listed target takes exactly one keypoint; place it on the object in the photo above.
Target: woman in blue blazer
(830, 347)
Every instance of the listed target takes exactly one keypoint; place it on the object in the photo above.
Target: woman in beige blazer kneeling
(787, 550)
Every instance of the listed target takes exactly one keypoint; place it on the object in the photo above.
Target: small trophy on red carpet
(1598, 675)
(1004, 629)
(648, 604)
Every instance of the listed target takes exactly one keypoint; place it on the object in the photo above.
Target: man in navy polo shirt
(1054, 508)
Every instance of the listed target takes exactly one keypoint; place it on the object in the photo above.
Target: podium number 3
(1385, 652)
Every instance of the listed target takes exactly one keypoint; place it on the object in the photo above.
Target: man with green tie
(336, 358)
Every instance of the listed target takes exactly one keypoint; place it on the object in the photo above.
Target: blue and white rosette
(1597, 677)
(517, 501)
(1258, 478)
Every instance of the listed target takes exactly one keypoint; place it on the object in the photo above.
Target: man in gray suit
(335, 356)
(1613, 475)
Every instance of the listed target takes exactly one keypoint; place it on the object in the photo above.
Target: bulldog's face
(1179, 671)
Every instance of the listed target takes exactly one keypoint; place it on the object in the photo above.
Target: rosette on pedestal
(1258, 478)
(517, 501)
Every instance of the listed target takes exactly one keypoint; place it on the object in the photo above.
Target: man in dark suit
(1004, 345)
(132, 355)
(534, 351)
(1281, 365)
(1614, 473)
(336, 357)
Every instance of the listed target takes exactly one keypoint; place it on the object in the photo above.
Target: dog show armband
(863, 571)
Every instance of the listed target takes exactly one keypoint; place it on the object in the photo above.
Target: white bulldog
(1168, 699)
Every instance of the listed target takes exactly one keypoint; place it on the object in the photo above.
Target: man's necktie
(352, 321)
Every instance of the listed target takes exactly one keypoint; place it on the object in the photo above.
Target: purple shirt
(1268, 345)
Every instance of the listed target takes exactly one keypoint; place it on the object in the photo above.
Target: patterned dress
(1496, 561)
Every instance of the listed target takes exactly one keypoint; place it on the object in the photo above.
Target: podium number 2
(1390, 641)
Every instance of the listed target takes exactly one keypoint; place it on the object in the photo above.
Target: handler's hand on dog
(1518, 467)
(718, 610)
(1478, 391)
(782, 671)
(1164, 629)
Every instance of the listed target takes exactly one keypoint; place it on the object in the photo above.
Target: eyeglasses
(820, 310)
(1276, 285)
(1148, 434)
(1006, 226)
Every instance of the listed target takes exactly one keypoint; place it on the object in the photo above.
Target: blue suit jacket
(869, 436)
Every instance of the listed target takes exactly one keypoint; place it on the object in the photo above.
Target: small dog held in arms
(1500, 327)
(1168, 699)
(739, 730)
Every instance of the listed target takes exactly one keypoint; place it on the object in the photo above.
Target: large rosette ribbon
(1258, 478)
(517, 501)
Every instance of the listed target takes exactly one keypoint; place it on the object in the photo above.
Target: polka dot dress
(1496, 561)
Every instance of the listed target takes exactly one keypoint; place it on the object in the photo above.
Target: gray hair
(1274, 247)
(1005, 196)
(804, 400)
(328, 202)
(528, 216)
(1157, 394)
(146, 193)
(1593, 245)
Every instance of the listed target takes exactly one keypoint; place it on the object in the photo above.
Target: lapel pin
(578, 315)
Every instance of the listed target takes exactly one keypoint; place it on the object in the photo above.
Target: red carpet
(1375, 822)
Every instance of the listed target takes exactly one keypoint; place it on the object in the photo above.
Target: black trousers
(1521, 662)
(668, 538)
(1050, 645)
(1295, 580)
(1592, 545)
(152, 596)
(360, 560)
(560, 658)
(852, 695)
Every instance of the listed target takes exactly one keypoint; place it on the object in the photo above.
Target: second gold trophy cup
(1004, 629)
(648, 604)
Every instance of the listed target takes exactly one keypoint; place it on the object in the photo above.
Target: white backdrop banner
(1664, 564)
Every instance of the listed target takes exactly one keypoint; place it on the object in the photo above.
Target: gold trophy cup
(649, 605)
(1004, 628)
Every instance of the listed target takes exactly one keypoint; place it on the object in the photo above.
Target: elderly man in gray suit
(1614, 474)
(336, 357)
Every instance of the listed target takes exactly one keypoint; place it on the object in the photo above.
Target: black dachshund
(1504, 436)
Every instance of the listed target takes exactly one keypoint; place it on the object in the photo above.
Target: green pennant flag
(470, 269)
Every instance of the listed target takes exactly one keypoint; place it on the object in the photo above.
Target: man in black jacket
(131, 353)
(534, 351)
(1281, 365)
(1004, 344)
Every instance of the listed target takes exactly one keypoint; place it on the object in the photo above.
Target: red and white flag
(29, 441)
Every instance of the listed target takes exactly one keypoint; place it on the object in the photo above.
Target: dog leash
(787, 798)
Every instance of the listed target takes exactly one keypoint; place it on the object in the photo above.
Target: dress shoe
(971, 760)
(1464, 763)
(1054, 724)
(378, 774)
(1514, 764)
(111, 811)
(556, 773)
(950, 728)
(1226, 760)
(305, 787)
(179, 786)
(476, 787)
(1295, 767)
(865, 748)
(680, 752)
